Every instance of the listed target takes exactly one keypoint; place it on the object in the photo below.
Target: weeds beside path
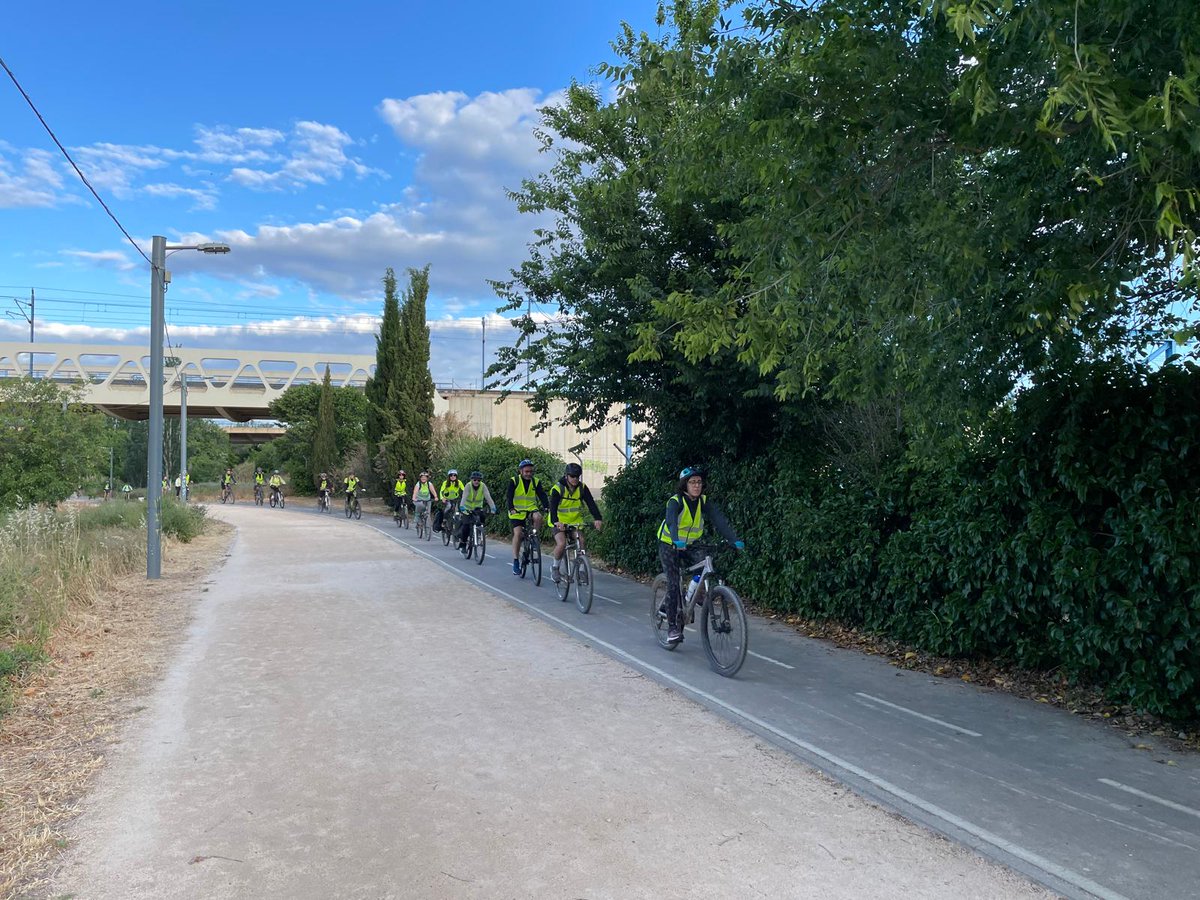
(66, 712)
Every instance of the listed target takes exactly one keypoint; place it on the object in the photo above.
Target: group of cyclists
(569, 504)
(261, 481)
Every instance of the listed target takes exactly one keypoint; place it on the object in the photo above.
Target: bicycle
(227, 493)
(577, 571)
(258, 495)
(353, 507)
(531, 553)
(476, 538)
(724, 630)
(323, 501)
(424, 526)
(276, 498)
(400, 514)
(450, 523)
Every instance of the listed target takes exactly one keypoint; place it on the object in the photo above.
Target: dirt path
(347, 721)
(103, 661)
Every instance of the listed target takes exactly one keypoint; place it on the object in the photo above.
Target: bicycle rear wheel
(724, 631)
(658, 612)
(583, 584)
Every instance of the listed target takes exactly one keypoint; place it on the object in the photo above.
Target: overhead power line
(78, 172)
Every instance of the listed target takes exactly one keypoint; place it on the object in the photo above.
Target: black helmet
(574, 470)
(476, 474)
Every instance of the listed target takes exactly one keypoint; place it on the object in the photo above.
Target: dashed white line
(768, 659)
(913, 712)
(609, 599)
(1170, 804)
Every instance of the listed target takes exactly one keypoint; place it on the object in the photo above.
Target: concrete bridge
(237, 385)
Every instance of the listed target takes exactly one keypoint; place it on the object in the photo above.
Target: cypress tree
(380, 421)
(417, 385)
(325, 455)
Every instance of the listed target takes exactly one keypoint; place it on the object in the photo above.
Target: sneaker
(554, 574)
(675, 634)
(516, 567)
(462, 545)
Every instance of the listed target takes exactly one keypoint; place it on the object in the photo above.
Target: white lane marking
(609, 599)
(1060, 872)
(1170, 804)
(913, 712)
(768, 659)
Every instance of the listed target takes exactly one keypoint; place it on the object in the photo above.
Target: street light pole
(183, 488)
(154, 449)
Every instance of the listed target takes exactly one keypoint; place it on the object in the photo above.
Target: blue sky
(324, 142)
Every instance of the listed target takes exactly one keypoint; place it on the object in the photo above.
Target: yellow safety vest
(451, 490)
(473, 497)
(570, 504)
(525, 498)
(690, 527)
(351, 484)
(401, 487)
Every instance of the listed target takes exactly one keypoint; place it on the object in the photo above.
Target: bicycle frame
(692, 596)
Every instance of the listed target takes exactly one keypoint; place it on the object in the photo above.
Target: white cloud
(204, 198)
(111, 259)
(317, 155)
(31, 182)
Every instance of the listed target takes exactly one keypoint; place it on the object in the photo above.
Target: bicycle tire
(420, 527)
(535, 559)
(658, 620)
(272, 501)
(404, 521)
(566, 574)
(428, 528)
(583, 584)
(281, 501)
(724, 631)
(222, 497)
(480, 547)
(447, 527)
(357, 510)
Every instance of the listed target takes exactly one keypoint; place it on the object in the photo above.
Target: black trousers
(469, 518)
(671, 559)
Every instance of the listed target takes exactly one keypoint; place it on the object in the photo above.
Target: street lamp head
(213, 248)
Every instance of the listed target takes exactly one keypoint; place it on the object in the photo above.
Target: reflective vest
(690, 527)
(570, 503)
(276, 481)
(351, 484)
(258, 477)
(324, 484)
(451, 490)
(227, 478)
(401, 487)
(525, 497)
(424, 490)
(473, 497)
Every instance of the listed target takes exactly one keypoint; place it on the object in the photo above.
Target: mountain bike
(724, 630)
(450, 523)
(575, 570)
(276, 498)
(476, 538)
(323, 501)
(258, 497)
(353, 507)
(531, 553)
(400, 514)
(424, 526)
(227, 493)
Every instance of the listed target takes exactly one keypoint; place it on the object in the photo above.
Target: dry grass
(103, 655)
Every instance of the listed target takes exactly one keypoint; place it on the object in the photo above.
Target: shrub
(182, 521)
(112, 514)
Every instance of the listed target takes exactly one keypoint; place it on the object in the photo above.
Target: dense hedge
(1067, 536)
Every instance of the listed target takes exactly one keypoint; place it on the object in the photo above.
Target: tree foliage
(50, 444)
(298, 407)
(325, 452)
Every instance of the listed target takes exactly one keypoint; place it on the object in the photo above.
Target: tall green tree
(299, 407)
(382, 388)
(324, 455)
(411, 398)
(50, 443)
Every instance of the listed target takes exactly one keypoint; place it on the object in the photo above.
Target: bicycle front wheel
(349, 509)
(446, 529)
(563, 586)
(583, 585)
(281, 501)
(658, 613)
(480, 544)
(724, 631)
(535, 560)
(357, 510)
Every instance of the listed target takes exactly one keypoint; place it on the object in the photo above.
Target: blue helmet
(525, 462)
(690, 471)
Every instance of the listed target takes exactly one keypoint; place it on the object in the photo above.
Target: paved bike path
(345, 720)
(1074, 804)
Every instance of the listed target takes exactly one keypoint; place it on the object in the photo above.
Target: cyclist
(400, 491)
(423, 493)
(525, 499)
(277, 484)
(228, 481)
(568, 497)
(323, 487)
(682, 526)
(475, 497)
(127, 490)
(450, 490)
(350, 485)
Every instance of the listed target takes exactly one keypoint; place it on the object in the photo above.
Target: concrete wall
(511, 418)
